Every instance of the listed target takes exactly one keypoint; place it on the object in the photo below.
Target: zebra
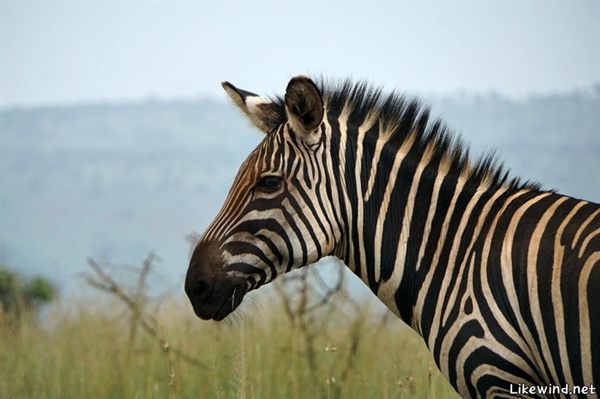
(496, 274)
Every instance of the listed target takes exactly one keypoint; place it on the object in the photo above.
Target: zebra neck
(399, 210)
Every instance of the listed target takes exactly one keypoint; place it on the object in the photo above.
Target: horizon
(592, 90)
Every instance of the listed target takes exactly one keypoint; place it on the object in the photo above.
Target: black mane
(407, 116)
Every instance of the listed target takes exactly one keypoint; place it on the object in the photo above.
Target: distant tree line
(19, 297)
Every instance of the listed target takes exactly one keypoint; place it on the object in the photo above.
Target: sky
(69, 52)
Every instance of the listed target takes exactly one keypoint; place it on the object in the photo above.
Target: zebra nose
(204, 265)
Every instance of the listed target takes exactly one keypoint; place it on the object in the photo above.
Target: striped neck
(398, 200)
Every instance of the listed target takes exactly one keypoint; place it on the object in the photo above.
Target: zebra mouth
(222, 300)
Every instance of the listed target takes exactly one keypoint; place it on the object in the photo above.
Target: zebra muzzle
(212, 293)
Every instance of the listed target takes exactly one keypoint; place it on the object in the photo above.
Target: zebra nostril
(197, 288)
(201, 291)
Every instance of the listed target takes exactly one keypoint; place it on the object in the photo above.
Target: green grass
(85, 350)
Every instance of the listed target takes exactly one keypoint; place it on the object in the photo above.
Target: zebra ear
(304, 108)
(263, 113)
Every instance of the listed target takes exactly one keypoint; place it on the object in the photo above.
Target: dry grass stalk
(135, 303)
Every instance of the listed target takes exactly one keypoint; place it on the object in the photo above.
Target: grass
(85, 349)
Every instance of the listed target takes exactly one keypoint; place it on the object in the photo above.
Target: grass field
(101, 348)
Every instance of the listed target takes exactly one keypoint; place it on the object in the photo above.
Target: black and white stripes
(497, 275)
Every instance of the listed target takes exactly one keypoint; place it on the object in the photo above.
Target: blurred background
(117, 139)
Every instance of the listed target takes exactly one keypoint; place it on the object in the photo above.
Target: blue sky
(74, 51)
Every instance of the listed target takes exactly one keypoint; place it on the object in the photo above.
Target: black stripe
(446, 191)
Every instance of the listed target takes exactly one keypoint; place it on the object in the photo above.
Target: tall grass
(85, 349)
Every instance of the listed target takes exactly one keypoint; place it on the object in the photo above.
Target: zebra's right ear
(304, 108)
(263, 113)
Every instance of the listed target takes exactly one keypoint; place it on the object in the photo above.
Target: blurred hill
(115, 181)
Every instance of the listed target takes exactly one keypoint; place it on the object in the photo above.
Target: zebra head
(276, 216)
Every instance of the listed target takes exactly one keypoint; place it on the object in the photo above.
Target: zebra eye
(269, 183)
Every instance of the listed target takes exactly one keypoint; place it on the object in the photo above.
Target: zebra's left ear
(263, 113)
(304, 108)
